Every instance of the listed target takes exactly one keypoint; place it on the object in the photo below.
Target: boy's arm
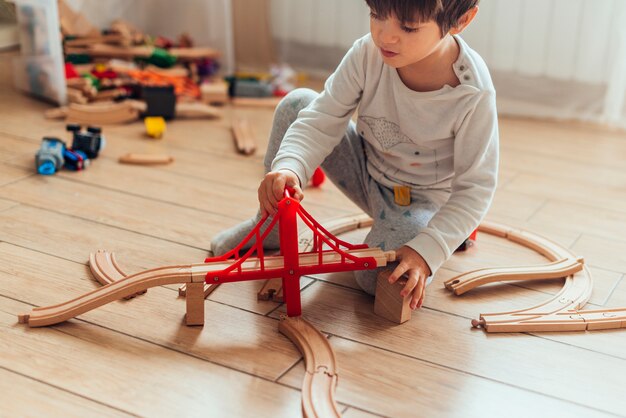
(321, 125)
(473, 185)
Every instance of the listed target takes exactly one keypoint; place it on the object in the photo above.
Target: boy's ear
(464, 21)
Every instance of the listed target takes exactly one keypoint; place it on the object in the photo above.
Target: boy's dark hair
(445, 12)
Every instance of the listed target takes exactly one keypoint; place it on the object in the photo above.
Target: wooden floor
(136, 357)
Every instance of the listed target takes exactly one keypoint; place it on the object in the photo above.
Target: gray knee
(366, 279)
(294, 102)
(286, 113)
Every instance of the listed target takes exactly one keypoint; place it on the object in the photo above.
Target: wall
(554, 58)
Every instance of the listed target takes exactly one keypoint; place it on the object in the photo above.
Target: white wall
(575, 49)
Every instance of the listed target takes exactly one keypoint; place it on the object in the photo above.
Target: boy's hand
(417, 271)
(272, 189)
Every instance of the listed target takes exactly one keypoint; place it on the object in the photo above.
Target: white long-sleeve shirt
(443, 144)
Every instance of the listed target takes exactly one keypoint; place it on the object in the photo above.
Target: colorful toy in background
(318, 177)
(49, 158)
(54, 153)
(90, 142)
(277, 83)
(155, 126)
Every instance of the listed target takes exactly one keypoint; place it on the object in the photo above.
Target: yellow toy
(155, 126)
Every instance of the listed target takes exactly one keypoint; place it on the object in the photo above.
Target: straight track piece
(244, 137)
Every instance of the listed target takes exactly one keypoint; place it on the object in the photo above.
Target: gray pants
(393, 226)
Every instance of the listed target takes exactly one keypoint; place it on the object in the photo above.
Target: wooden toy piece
(142, 51)
(549, 315)
(244, 137)
(214, 92)
(208, 289)
(557, 269)
(155, 126)
(197, 110)
(76, 96)
(102, 113)
(183, 110)
(267, 102)
(272, 289)
(56, 113)
(180, 274)
(195, 304)
(105, 269)
(320, 379)
(109, 38)
(388, 303)
(145, 159)
(110, 94)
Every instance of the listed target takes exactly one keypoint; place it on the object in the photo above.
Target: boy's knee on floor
(296, 100)
(366, 279)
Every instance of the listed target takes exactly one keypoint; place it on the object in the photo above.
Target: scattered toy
(155, 126)
(145, 159)
(49, 158)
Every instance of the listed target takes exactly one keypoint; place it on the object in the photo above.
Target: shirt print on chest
(396, 151)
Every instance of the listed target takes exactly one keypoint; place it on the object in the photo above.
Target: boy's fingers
(397, 272)
(410, 284)
(299, 195)
(421, 301)
(278, 188)
(420, 292)
(269, 196)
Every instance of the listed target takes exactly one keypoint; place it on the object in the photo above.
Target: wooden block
(388, 303)
(215, 92)
(195, 304)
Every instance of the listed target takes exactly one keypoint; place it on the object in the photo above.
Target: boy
(427, 122)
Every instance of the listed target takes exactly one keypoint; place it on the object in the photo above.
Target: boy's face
(402, 44)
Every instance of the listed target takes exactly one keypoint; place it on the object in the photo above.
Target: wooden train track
(320, 377)
(563, 311)
(181, 274)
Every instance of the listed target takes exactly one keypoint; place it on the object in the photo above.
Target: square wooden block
(388, 302)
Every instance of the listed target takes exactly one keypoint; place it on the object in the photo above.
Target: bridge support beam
(195, 303)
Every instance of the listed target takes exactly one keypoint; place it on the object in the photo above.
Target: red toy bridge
(291, 264)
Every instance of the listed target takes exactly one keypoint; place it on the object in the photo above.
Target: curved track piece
(320, 379)
(105, 269)
(560, 313)
(102, 113)
(555, 270)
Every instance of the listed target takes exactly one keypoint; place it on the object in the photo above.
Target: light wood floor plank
(603, 251)
(186, 226)
(424, 389)
(74, 239)
(531, 363)
(230, 337)
(569, 192)
(22, 396)
(134, 375)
